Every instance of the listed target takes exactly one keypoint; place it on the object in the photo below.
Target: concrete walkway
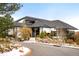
(32, 39)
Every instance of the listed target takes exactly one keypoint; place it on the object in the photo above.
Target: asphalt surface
(39, 49)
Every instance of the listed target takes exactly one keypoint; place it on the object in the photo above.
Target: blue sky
(67, 12)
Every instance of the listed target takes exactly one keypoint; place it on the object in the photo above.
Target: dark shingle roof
(45, 23)
(38, 22)
(61, 24)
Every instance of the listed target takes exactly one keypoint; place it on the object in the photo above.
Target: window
(30, 22)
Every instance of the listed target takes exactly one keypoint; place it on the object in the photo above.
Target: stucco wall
(47, 30)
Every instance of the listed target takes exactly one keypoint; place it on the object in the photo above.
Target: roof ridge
(31, 17)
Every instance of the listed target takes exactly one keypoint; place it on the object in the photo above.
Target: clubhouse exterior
(38, 25)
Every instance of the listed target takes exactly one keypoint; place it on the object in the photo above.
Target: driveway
(40, 49)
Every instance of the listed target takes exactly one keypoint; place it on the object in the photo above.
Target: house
(38, 25)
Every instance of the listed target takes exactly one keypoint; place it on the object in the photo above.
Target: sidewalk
(31, 40)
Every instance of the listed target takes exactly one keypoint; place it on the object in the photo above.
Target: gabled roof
(45, 23)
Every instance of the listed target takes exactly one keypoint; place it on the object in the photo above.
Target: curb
(70, 47)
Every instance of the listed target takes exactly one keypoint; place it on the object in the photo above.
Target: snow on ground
(17, 52)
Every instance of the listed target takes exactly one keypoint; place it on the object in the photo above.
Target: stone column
(41, 29)
(61, 34)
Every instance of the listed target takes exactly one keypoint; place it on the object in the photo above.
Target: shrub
(42, 34)
(70, 41)
(77, 41)
(25, 33)
(70, 35)
(50, 35)
(77, 38)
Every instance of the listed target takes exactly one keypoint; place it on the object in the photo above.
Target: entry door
(35, 31)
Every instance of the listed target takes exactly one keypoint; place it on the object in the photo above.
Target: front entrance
(35, 31)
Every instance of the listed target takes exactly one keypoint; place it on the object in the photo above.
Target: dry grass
(5, 45)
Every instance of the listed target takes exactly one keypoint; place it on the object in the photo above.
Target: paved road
(39, 49)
